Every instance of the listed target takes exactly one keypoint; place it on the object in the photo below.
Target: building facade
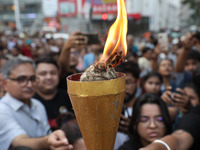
(86, 15)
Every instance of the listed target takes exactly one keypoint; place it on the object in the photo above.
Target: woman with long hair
(150, 121)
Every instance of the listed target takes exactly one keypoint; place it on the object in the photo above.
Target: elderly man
(23, 119)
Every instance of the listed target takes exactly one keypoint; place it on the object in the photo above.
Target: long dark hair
(148, 99)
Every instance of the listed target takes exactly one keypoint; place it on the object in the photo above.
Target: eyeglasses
(23, 80)
(75, 53)
(129, 82)
(146, 121)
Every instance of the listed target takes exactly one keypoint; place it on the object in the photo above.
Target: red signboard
(136, 16)
(101, 6)
(67, 8)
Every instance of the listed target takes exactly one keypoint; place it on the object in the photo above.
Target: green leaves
(195, 6)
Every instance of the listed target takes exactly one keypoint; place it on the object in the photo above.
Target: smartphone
(123, 112)
(163, 41)
(177, 82)
(92, 38)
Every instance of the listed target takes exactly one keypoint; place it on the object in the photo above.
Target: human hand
(167, 96)
(181, 99)
(124, 124)
(189, 40)
(76, 40)
(57, 140)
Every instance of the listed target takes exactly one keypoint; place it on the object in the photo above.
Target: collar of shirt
(14, 103)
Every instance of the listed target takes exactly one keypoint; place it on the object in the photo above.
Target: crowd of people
(161, 104)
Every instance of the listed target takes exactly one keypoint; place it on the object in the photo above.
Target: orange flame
(116, 40)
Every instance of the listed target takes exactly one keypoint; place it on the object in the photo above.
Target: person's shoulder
(61, 91)
(37, 102)
(60, 97)
(89, 55)
(193, 114)
(126, 146)
(129, 145)
(142, 60)
(6, 102)
(38, 106)
(5, 109)
(38, 97)
(196, 109)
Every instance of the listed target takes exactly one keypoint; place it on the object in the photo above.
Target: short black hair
(129, 67)
(46, 59)
(146, 49)
(194, 54)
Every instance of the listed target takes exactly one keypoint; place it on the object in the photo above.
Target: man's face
(131, 85)
(18, 85)
(191, 65)
(48, 78)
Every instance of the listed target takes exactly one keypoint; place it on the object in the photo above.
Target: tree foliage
(195, 6)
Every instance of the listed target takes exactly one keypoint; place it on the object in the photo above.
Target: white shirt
(144, 63)
(18, 118)
(122, 137)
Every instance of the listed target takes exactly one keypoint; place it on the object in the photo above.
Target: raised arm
(75, 40)
(154, 61)
(179, 140)
(188, 42)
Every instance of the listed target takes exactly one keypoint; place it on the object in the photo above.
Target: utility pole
(17, 15)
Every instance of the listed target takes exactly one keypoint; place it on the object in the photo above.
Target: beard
(129, 97)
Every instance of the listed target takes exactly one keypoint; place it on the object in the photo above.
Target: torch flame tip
(116, 40)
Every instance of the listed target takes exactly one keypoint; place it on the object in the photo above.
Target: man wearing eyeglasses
(131, 69)
(23, 119)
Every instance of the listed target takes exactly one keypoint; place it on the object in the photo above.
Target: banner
(67, 8)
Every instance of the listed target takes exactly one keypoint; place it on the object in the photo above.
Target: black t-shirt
(131, 144)
(191, 124)
(63, 81)
(56, 106)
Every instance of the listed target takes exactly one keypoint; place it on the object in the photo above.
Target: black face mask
(129, 98)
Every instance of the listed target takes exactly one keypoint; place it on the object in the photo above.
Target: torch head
(97, 106)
